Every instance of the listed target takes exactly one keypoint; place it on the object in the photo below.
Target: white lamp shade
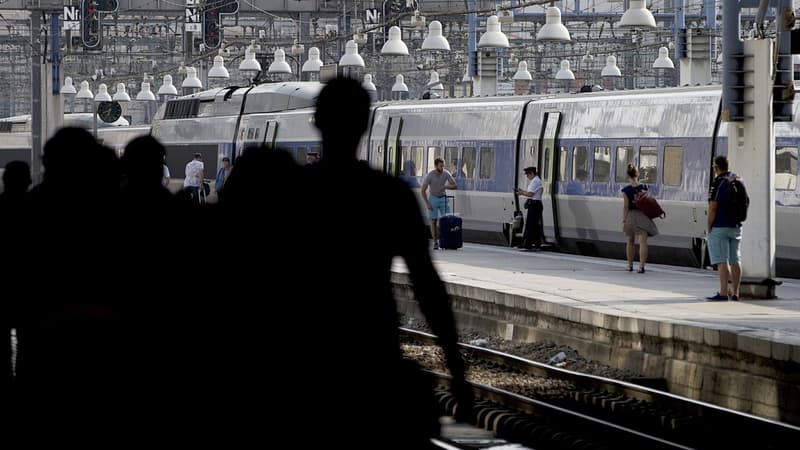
(167, 88)
(368, 85)
(553, 29)
(102, 94)
(435, 39)
(68, 87)
(351, 58)
(314, 63)
(611, 69)
(279, 64)
(191, 81)
(663, 61)
(394, 46)
(638, 16)
(399, 84)
(84, 92)
(121, 95)
(565, 73)
(522, 72)
(145, 94)
(249, 63)
(219, 70)
(493, 36)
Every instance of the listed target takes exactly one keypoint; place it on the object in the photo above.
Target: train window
(580, 164)
(406, 164)
(468, 161)
(390, 156)
(562, 164)
(249, 134)
(451, 162)
(301, 154)
(255, 135)
(546, 171)
(602, 164)
(648, 164)
(433, 153)
(417, 158)
(673, 165)
(487, 163)
(315, 149)
(786, 168)
(624, 157)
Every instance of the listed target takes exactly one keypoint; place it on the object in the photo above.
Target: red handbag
(648, 205)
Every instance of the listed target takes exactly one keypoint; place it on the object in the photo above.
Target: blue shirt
(630, 192)
(720, 192)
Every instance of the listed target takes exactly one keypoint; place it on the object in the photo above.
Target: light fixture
(611, 69)
(663, 61)
(279, 64)
(351, 58)
(637, 15)
(191, 81)
(167, 88)
(314, 63)
(298, 48)
(121, 95)
(84, 92)
(68, 88)
(418, 20)
(219, 71)
(368, 85)
(394, 46)
(399, 84)
(434, 85)
(565, 73)
(249, 67)
(360, 37)
(553, 29)
(506, 15)
(522, 72)
(145, 94)
(435, 39)
(493, 37)
(587, 59)
(102, 94)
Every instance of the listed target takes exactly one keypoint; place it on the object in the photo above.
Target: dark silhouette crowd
(144, 317)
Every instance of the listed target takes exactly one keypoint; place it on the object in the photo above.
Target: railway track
(543, 406)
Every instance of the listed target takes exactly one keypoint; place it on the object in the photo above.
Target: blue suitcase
(450, 234)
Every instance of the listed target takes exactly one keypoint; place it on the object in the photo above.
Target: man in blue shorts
(724, 234)
(439, 180)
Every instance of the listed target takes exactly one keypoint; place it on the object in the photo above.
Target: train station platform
(743, 355)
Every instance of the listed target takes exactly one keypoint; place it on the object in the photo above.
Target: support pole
(751, 152)
(36, 95)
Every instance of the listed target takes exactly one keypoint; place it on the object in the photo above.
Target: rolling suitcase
(450, 235)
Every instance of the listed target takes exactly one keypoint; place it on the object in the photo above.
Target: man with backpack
(727, 209)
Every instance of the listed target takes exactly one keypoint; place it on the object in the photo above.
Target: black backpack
(738, 200)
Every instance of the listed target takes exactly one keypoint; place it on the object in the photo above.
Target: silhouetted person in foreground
(368, 218)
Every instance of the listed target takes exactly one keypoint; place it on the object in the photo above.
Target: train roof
(79, 120)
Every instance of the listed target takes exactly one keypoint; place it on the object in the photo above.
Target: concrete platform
(743, 355)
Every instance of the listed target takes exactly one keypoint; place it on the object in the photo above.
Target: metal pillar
(751, 152)
(36, 95)
(472, 45)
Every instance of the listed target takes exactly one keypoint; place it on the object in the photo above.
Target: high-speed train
(581, 143)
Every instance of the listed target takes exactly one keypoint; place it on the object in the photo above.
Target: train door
(391, 144)
(550, 167)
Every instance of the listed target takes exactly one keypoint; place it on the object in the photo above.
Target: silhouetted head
(342, 117)
(17, 177)
(143, 161)
(633, 172)
(721, 163)
(68, 152)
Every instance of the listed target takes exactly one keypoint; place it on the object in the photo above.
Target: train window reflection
(673, 165)
(417, 158)
(624, 157)
(452, 162)
(301, 155)
(786, 168)
(487, 163)
(580, 164)
(602, 164)
(468, 161)
(406, 164)
(648, 164)
(562, 164)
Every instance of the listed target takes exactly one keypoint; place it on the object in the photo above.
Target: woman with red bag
(634, 221)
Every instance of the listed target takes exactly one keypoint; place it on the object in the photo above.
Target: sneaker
(436, 246)
(734, 298)
(717, 298)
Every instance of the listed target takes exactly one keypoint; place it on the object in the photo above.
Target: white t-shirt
(536, 187)
(193, 169)
(165, 177)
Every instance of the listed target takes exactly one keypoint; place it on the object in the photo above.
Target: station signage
(72, 18)
(193, 20)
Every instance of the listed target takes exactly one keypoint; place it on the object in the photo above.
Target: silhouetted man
(369, 218)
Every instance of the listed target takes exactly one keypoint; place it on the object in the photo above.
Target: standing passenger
(532, 236)
(636, 222)
(194, 176)
(222, 174)
(439, 181)
(724, 233)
